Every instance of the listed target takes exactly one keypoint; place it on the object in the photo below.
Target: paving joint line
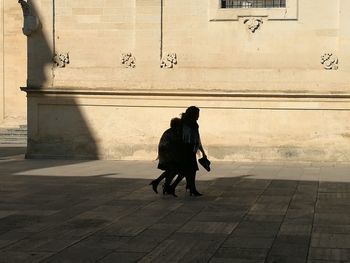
(242, 219)
(284, 217)
(104, 227)
(178, 227)
(313, 221)
(94, 232)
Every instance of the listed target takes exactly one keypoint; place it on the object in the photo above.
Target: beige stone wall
(13, 57)
(344, 34)
(129, 127)
(2, 99)
(281, 56)
(264, 95)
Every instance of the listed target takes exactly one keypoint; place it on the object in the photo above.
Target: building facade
(13, 64)
(272, 77)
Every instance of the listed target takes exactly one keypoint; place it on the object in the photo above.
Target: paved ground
(105, 211)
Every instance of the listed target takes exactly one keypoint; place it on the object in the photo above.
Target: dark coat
(178, 146)
(169, 149)
(190, 142)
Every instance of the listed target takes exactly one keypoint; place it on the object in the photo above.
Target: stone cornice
(199, 93)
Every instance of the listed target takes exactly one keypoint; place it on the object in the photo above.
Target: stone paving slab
(105, 211)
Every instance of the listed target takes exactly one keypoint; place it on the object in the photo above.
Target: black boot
(195, 193)
(191, 183)
(154, 184)
(168, 189)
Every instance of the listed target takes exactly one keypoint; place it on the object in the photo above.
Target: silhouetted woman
(169, 155)
(191, 143)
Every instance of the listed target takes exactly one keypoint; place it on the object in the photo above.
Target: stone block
(329, 254)
(295, 229)
(122, 257)
(242, 253)
(336, 241)
(248, 242)
(209, 227)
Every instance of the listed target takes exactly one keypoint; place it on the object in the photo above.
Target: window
(253, 3)
(234, 10)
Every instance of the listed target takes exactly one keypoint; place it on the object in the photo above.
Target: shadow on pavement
(104, 219)
(7, 151)
(12, 162)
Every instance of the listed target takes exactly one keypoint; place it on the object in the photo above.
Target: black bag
(205, 163)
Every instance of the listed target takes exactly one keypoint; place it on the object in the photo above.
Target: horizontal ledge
(152, 93)
(237, 19)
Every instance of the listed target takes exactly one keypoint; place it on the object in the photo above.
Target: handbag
(205, 163)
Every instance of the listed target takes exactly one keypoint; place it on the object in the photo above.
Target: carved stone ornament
(128, 60)
(329, 61)
(30, 21)
(61, 60)
(253, 23)
(169, 61)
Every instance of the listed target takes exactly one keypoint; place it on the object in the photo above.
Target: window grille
(253, 3)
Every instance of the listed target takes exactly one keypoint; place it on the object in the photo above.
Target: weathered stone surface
(116, 77)
(330, 240)
(84, 218)
(284, 259)
(259, 229)
(122, 257)
(248, 242)
(242, 253)
(295, 229)
(329, 254)
(332, 229)
(238, 260)
(209, 227)
(78, 254)
(332, 218)
(13, 257)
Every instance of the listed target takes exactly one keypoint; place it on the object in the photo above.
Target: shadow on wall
(56, 125)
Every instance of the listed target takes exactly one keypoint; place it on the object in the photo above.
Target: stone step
(13, 140)
(14, 132)
(22, 143)
(13, 135)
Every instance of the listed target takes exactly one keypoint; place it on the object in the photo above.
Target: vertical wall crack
(3, 58)
(53, 40)
(161, 28)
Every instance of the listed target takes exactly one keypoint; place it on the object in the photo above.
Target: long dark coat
(170, 149)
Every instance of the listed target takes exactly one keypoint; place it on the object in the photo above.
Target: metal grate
(253, 3)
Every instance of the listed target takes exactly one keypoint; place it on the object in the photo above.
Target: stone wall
(211, 55)
(271, 84)
(13, 57)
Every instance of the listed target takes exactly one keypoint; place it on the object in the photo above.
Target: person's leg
(168, 188)
(178, 180)
(156, 182)
(191, 179)
(169, 177)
